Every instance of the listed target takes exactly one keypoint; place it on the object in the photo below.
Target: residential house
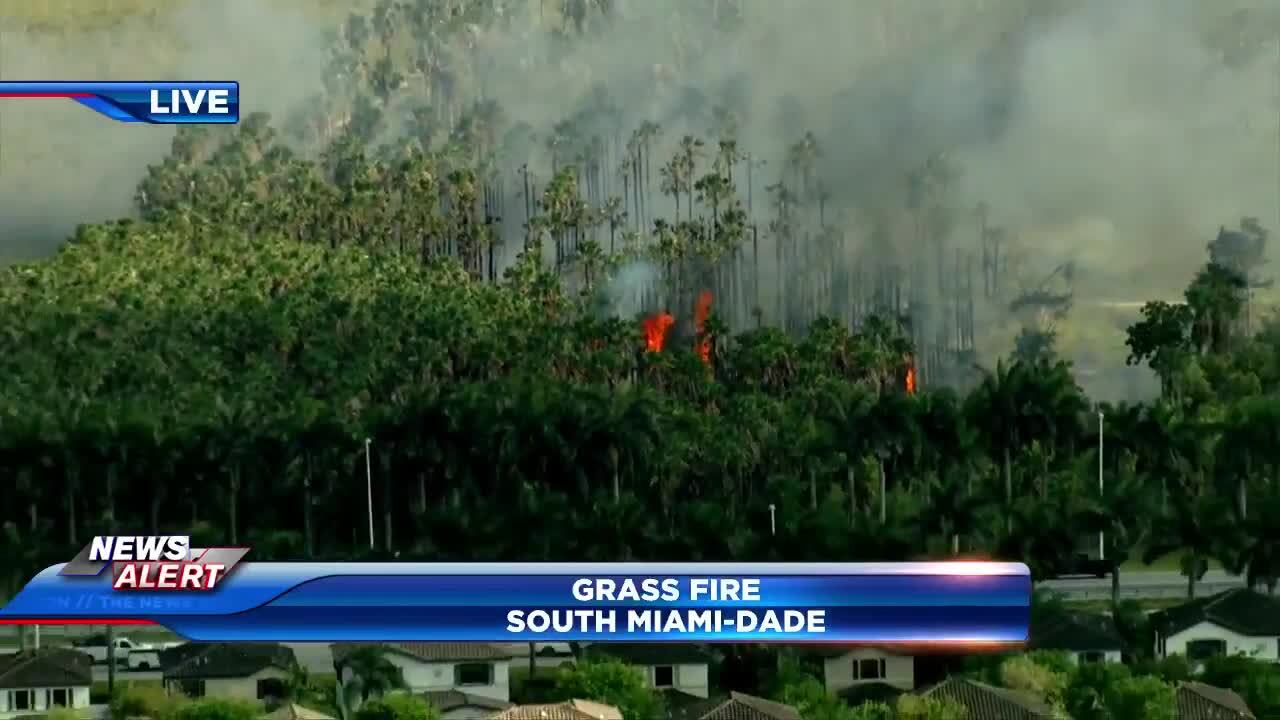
(37, 681)
(569, 710)
(682, 667)
(548, 656)
(477, 669)
(457, 705)
(736, 706)
(859, 670)
(1197, 701)
(1235, 622)
(1084, 637)
(986, 702)
(243, 671)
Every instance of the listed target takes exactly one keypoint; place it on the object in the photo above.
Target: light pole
(773, 520)
(368, 476)
(1102, 534)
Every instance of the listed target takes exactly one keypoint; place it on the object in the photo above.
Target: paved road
(1149, 585)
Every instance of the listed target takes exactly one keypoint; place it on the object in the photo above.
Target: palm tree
(1197, 525)
(364, 673)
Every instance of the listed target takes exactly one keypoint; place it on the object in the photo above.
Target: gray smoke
(1116, 134)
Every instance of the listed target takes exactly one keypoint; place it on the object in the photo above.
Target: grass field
(68, 16)
(1169, 563)
(1104, 606)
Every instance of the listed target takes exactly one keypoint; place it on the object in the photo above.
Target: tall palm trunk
(111, 496)
(851, 481)
(233, 500)
(1008, 490)
(884, 495)
(111, 660)
(308, 532)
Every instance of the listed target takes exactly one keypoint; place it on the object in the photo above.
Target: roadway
(1142, 585)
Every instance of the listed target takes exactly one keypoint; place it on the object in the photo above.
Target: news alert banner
(962, 603)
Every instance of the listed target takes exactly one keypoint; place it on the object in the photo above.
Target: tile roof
(741, 706)
(681, 705)
(827, 652)
(642, 653)
(1197, 701)
(1075, 631)
(985, 702)
(1241, 610)
(870, 692)
(428, 651)
(224, 660)
(51, 667)
(446, 700)
(569, 710)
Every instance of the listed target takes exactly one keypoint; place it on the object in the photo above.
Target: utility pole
(368, 476)
(111, 660)
(1102, 535)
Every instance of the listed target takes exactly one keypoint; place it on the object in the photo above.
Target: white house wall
(245, 688)
(422, 676)
(1075, 657)
(900, 670)
(691, 679)
(79, 700)
(1263, 648)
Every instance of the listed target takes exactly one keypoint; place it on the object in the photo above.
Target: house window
(192, 688)
(21, 699)
(270, 689)
(1205, 649)
(869, 669)
(664, 676)
(473, 674)
(1091, 656)
(58, 697)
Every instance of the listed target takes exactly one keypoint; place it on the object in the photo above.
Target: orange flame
(911, 375)
(701, 313)
(655, 331)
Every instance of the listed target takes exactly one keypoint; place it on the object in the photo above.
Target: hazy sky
(1106, 134)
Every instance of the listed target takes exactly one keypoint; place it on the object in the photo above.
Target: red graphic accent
(44, 95)
(75, 621)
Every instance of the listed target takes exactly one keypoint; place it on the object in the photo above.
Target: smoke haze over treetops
(1106, 132)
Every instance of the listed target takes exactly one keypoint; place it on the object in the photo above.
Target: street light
(773, 520)
(368, 476)
(1102, 534)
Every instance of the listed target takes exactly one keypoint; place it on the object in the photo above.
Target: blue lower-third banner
(966, 603)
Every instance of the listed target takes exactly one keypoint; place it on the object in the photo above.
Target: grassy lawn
(1168, 563)
(1104, 606)
(80, 15)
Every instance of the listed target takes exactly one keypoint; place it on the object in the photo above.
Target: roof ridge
(719, 705)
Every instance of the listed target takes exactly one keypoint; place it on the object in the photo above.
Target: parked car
(143, 660)
(95, 646)
(1085, 565)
